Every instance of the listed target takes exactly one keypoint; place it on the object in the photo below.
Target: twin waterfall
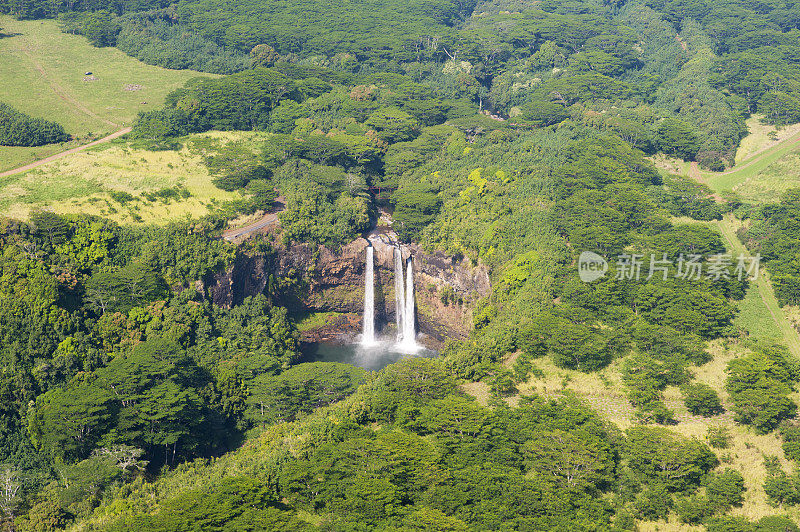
(409, 338)
(399, 300)
(404, 302)
(368, 338)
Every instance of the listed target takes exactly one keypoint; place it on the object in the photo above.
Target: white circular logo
(591, 266)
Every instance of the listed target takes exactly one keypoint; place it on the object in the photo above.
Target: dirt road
(57, 156)
(268, 220)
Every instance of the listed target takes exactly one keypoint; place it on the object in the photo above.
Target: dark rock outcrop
(246, 277)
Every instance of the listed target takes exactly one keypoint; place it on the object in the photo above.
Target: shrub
(161, 124)
(239, 177)
(776, 523)
(678, 138)
(759, 385)
(654, 502)
(790, 434)
(780, 490)
(262, 194)
(730, 524)
(503, 383)
(717, 166)
(415, 207)
(725, 490)
(658, 454)
(718, 437)
(121, 197)
(693, 510)
(701, 399)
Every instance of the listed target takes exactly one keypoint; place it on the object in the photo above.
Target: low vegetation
(123, 182)
(42, 75)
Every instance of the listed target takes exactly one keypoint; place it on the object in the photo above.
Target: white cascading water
(368, 338)
(399, 295)
(409, 342)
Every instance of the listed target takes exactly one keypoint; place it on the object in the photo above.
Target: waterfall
(399, 295)
(409, 334)
(368, 338)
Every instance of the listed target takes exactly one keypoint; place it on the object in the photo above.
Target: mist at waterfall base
(371, 352)
(371, 358)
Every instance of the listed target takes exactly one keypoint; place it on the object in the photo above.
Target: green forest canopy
(122, 381)
(623, 66)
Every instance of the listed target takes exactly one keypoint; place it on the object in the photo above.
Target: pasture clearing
(43, 74)
(125, 183)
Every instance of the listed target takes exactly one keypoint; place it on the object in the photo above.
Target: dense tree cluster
(440, 461)
(19, 129)
(759, 385)
(664, 76)
(124, 386)
(602, 196)
(111, 356)
(774, 236)
(151, 36)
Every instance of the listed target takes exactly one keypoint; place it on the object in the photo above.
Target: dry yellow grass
(670, 165)
(83, 182)
(759, 137)
(479, 390)
(604, 392)
(748, 449)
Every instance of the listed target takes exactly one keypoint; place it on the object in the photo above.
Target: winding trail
(62, 154)
(727, 227)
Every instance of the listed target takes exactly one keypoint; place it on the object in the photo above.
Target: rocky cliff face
(445, 286)
(246, 277)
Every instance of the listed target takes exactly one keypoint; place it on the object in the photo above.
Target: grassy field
(755, 318)
(762, 137)
(767, 164)
(757, 315)
(42, 73)
(762, 177)
(86, 182)
(767, 185)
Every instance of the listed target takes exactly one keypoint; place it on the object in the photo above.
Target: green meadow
(767, 164)
(43, 74)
